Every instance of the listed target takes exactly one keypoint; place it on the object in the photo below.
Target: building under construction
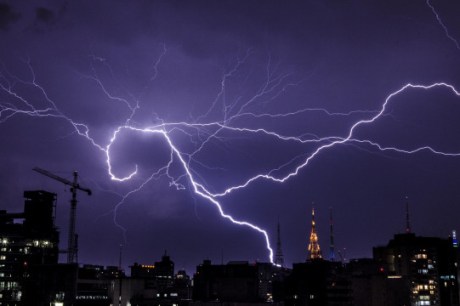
(27, 240)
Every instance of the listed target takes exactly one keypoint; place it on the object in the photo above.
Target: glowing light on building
(314, 250)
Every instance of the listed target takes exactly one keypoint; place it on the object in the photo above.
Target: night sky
(239, 89)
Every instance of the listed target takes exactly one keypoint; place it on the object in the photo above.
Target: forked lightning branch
(17, 104)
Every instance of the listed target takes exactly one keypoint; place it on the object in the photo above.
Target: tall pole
(71, 250)
(331, 242)
(408, 227)
(279, 258)
(120, 278)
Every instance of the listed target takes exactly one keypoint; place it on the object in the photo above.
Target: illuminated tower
(279, 258)
(314, 251)
(331, 241)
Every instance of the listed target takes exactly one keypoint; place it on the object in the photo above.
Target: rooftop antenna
(120, 257)
(342, 255)
(331, 245)
(279, 258)
(120, 276)
(408, 228)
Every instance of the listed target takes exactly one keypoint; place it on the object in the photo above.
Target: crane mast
(74, 186)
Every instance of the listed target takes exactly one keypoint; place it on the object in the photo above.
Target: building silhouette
(370, 286)
(29, 270)
(235, 282)
(93, 284)
(27, 246)
(317, 282)
(427, 265)
(164, 273)
(153, 284)
(408, 270)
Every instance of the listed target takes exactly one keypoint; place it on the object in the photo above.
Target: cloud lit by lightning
(202, 130)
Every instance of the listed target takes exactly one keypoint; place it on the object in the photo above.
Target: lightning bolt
(441, 23)
(202, 131)
(348, 138)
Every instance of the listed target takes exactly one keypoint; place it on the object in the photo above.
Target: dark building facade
(158, 277)
(427, 266)
(26, 247)
(94, 283)
(371, 286)
(316, 282)
(164, 273)
(238, 282)
(154, 284)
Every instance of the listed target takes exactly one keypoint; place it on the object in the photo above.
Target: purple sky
(230, 62)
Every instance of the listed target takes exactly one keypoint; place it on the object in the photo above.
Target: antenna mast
(408, 227)
(279, 258)
(331, 229)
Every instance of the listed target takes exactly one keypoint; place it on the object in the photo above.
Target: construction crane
(74, 186)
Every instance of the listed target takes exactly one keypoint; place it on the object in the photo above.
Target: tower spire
(408, 228)
(279, 258)
(331, 241)
(314, 251)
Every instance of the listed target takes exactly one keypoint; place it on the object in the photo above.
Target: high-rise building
(153, 284)
(317, 283)
(159, 276)
(371, 286)
(428, 265)
(314, 250)
(164, 273)
(235, 282)
(26, 246)
(94, 283)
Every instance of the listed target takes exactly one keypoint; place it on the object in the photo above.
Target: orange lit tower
(314, 251)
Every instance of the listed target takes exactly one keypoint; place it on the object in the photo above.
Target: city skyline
(108, 88)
